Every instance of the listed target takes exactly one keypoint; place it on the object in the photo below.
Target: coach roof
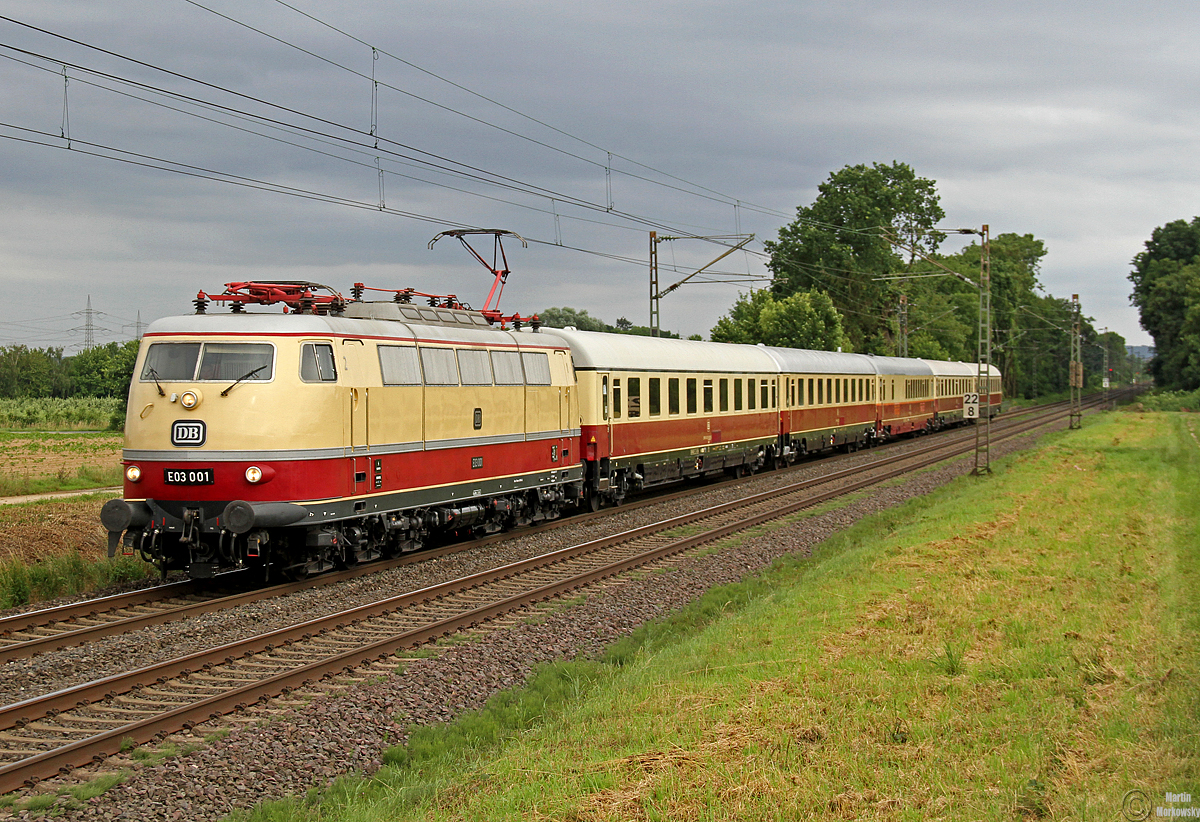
(599, 351)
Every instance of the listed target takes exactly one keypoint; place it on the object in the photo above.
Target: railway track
(36, 632)
(42, 736)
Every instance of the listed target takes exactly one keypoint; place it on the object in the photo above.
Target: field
(33, 463)
(1021, 647)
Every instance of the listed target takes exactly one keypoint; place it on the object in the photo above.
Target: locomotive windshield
(193, 362)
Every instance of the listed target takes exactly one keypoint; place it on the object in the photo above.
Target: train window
(820, 392)
(723, 395)
(635, 397)
(708, 397)
(737, 395)
(617, 399)
(316, 363)
(537, 367)
(233, 361)
(655, 396)
(171, 361)
(767, 394)
(399, 365)
(439, 366)
(673, 395)
(810, 390)
(829, 390)
(604, 396)
(837, 391)
(506, 365)
(750, 394)
(475, 367)
(691, 395)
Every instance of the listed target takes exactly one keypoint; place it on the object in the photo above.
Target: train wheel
(593, 502)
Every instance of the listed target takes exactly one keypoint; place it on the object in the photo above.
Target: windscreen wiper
(245, 376)
(154, 376)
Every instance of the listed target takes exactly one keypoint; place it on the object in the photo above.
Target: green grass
(1025, 646)
(22, 583)
(1170, 401)
(81, 479)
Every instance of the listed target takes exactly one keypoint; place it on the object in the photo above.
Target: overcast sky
(1075, 123)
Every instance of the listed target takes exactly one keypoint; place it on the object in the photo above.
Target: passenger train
(341, 431)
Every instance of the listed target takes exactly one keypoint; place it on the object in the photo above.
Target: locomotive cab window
(317, 363)
(216, 362)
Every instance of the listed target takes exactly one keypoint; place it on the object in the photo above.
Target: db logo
(188, 433)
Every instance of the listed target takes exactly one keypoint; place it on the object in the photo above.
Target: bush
(1170, 401)
(59, 413)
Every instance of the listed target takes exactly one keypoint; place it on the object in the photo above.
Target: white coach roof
(598, 351)
(802, 361)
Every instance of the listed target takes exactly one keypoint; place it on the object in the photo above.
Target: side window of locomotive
(737, 395)
(655, 391)
(475, 367)
(691, 395)
(507, 367)
(617, 407)
(708, 397)
(673, 395)
(537, 367)
(723, 395)
(750, 395)
(249, 362)
(399, 365)
(820, 392)
(604, 396)
(171, 361)
(440, 366)
(316, 363)
(635, 397)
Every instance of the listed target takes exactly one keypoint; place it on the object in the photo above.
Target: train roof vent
(400, 312)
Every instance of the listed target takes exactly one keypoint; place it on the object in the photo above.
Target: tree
(563, 317)
(805, 319)
(104, 371)
(1166, 291)
(838, 245)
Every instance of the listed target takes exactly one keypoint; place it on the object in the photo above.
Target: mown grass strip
(1020, 647)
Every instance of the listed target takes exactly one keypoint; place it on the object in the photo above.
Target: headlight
(133, 473)
(254, 474)
(189, 399)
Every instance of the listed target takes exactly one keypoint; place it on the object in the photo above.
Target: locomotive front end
(211, 410)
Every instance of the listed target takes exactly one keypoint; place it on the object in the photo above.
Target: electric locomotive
(338, 433)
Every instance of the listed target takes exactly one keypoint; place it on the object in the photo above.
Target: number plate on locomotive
(188, 476)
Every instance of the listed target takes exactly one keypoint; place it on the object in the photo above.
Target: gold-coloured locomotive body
(304, 442)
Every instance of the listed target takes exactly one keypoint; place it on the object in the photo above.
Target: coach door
(357, 397)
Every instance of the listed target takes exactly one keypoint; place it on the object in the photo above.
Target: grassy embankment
(1022, 647)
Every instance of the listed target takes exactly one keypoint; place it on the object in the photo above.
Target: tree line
(102, 371)
(861, 269)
